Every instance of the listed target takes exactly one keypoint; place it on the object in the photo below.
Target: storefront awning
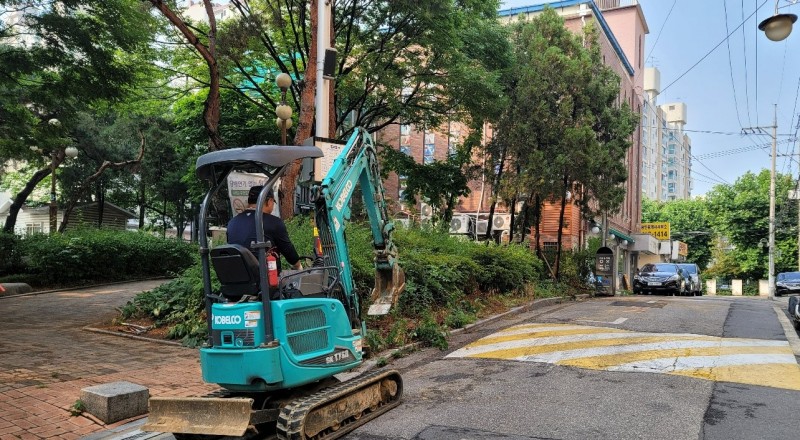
(622, 236)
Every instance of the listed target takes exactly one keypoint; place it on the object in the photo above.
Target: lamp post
(779, 26)
(69, 152)
(283, 111)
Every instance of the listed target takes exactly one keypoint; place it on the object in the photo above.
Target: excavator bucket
(199, 415)
(389, 284)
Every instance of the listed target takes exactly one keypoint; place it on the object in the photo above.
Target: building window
(405, 149)
(671, 188)
(402, 184)
(671, 148)
(429, 148)
(34, 228)
(453, 138)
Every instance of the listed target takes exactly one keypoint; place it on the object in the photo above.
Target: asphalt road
(700, 373)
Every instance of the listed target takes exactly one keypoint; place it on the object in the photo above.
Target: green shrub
(10, 261)
(178, 304)
(431, 333)
(504, 268)
(92, 255)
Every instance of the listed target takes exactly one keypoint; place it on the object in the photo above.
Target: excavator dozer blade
(389, 284)
(199, 415)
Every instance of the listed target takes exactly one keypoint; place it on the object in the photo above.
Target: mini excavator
(274, 348)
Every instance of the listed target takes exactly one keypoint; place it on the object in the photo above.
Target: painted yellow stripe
(513, 353)
(605, 361)
(550, 333)
(785, 376)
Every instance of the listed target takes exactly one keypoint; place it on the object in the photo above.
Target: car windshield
(688, 268)
(789, 276)
(659, 268)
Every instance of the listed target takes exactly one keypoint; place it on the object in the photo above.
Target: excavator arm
(357, 165)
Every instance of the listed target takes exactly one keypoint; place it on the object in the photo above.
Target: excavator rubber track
(335, 411)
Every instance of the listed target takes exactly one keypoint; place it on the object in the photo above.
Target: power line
(659, 32)
(730, 66)
(712, 50)
(746, 82)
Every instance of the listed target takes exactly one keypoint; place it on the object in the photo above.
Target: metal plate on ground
(651, 304)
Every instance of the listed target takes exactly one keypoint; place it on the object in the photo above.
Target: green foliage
(431, 333)
(178, 304)
(10, 259)
(93, 255)
(504, 268)
(77, 408)
(740, 214)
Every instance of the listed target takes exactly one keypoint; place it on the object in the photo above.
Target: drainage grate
(651, 304)
(136, 435)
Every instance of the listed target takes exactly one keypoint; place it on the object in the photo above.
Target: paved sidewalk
(46, 359)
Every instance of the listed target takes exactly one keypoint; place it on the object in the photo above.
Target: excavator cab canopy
(257, 159)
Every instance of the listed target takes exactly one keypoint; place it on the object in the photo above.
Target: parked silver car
(694, 283)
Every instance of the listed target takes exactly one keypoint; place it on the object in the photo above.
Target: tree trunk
(211, 105)
(22, 197)
(305, 121)
(561, 227)
(537, 221)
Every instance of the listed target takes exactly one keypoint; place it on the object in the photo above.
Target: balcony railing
(611, 4)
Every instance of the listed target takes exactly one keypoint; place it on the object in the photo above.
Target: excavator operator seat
(237, 271)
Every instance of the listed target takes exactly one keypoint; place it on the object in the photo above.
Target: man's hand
(298, 266)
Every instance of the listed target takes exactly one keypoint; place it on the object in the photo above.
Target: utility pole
(774, 135)
(321, 99)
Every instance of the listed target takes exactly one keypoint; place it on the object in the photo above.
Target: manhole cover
(652, 304)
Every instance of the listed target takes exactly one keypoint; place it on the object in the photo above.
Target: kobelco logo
(348, 186)
(235, 319)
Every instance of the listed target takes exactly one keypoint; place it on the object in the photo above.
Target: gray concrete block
(115, 401)
(14, 288)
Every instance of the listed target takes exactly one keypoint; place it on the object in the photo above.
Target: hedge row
(91, 255)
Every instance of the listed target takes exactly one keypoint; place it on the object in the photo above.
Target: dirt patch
(142, 327)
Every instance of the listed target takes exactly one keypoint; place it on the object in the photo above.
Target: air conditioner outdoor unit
(481, 226)
(501, 222)
(459, 224)
(425, 211)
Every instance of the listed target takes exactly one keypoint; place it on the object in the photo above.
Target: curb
(88, 286)
(788, 330)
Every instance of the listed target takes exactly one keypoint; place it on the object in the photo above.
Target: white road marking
(558, 356)
(666, 365)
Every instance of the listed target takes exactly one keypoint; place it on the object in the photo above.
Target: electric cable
(712, 50)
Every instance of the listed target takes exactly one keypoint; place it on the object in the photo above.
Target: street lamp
(283, 111)
(779, 26)
(69, 152)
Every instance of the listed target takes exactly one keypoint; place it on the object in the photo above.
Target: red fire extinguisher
(272, 268)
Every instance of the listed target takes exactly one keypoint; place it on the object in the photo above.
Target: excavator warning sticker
(336, 223)
(252, 315)
(251, 323)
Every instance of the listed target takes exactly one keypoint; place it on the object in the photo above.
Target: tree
(563, 128)
(81, 53)
(740, 212)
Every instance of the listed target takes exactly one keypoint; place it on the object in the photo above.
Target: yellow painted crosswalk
(749, 361)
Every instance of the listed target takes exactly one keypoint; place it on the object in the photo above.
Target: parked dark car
(794, 311)
(658, 278)
(787, 282)
(691, 273)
